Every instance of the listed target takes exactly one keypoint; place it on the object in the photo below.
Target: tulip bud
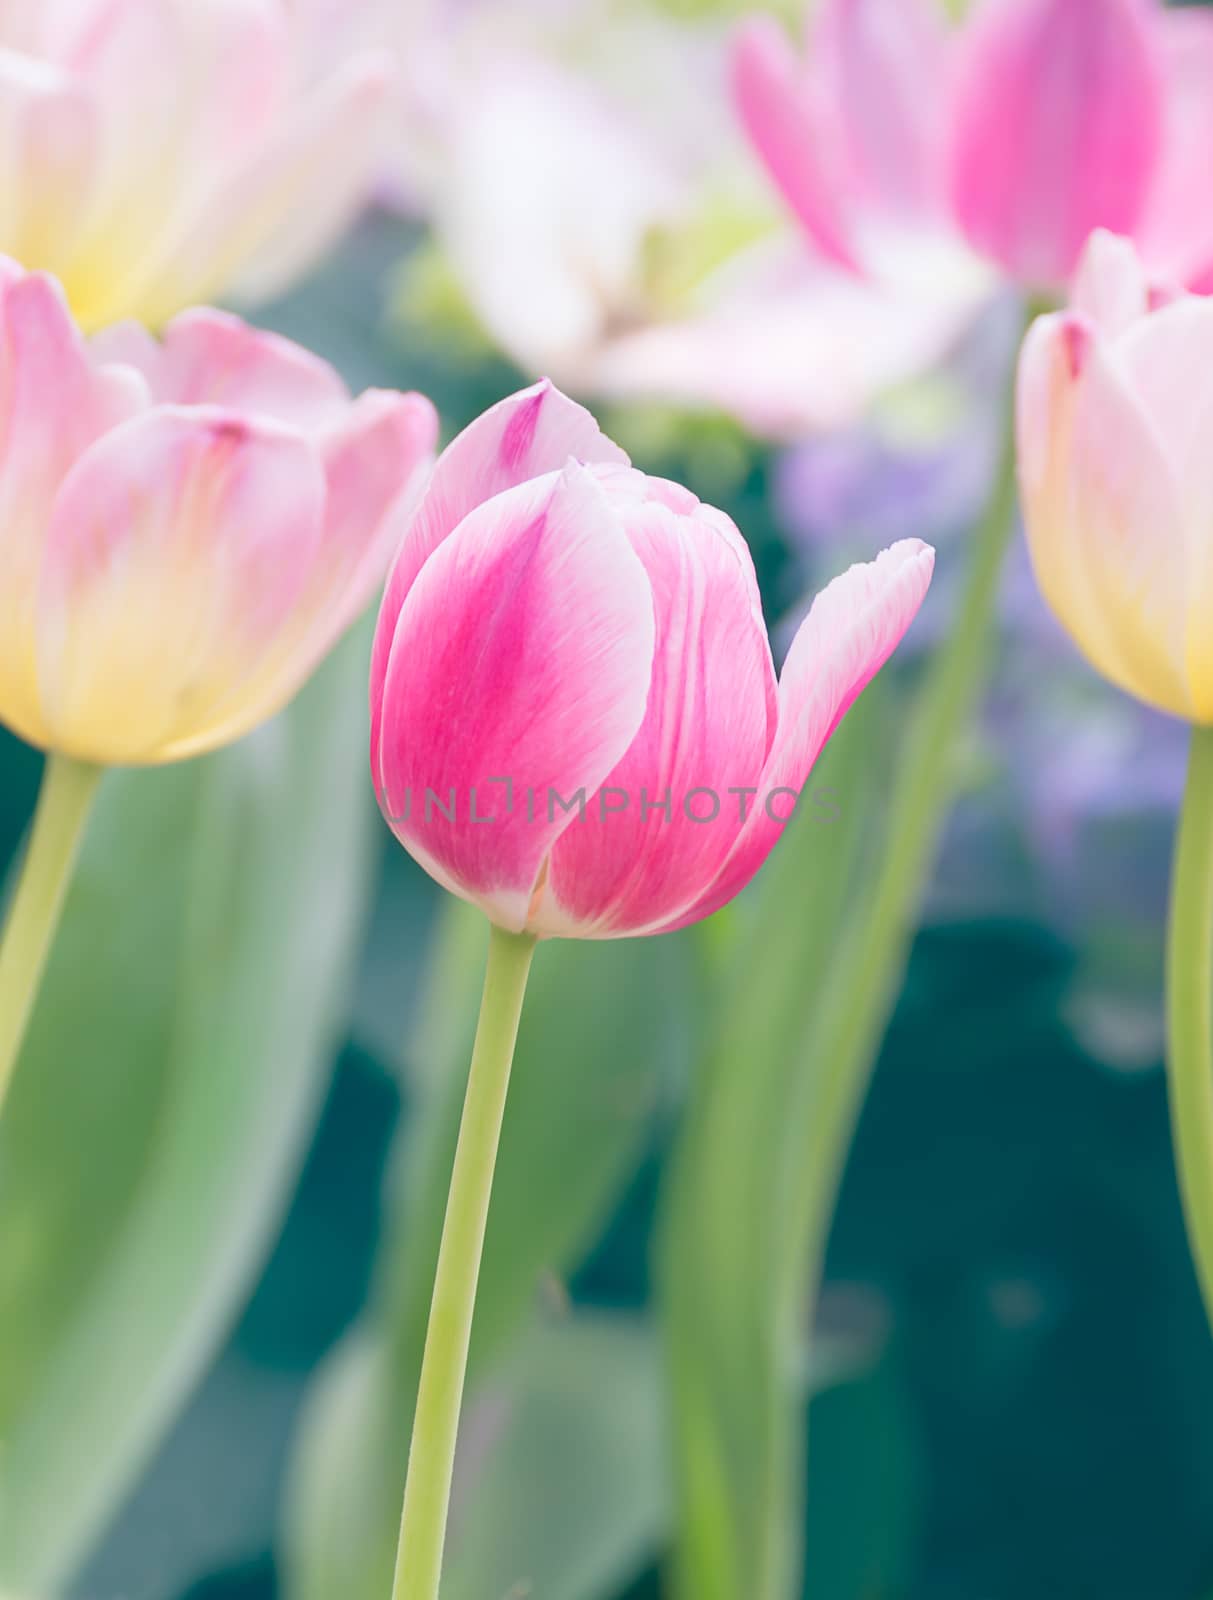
(576, 722)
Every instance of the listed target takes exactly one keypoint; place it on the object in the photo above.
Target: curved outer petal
(1103, 515)
(852, 630)
(179, 547)
(630, 866)
(48, 159)
(375, 461)
(522, 652)
(775, 101)
(1058, 129)
(1167, 358)
(1177, 234)
(886, 66)
(211, 358)
(263, 223)
(53, 404)
(1110, 288)
(182, 92)
(524, 436)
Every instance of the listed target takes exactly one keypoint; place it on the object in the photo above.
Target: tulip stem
(64, 802)
(427, 1490)
(843, 1041)
(1190, 1007)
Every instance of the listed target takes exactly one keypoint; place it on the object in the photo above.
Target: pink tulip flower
(160, 153)
(1021, 131)
(576, 722)
(188, 526)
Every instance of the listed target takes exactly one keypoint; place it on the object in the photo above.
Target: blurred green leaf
(163, 1103)
(589, 1073)
(566, 1494)
(723, 1220)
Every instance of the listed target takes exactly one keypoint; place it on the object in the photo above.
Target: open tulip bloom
(576, 725)
(1116, 449)
(188, 527)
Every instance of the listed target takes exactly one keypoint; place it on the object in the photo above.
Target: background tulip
(1114, 404)
(188, 526)
(1115, 430)
(1020, 132)
(159, 153)
(567, 644)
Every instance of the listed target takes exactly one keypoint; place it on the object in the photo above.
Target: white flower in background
(594, 198)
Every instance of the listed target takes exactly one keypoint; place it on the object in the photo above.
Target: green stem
(842, 1043)
(427, 1491)
(1190, 1007)
(64, 802)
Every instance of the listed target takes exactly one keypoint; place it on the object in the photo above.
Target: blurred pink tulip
(158, 153)
(188, 526)
(1023, 130)
(576, 722)
(1115, 446)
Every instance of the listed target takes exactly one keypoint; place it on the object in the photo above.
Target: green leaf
(589, 1073)
(562, 1493)
(165, 1098)
(723, 1219)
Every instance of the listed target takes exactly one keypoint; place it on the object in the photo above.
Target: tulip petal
(853, 628)
(1177, 234)
(269, 218)
(660, 829)
(211, 358)
(887, 66)
(1167, 358)
(375, 460)
(53, 404)
(522, 652)
(1102, 510)
(178, 549)
(775, 101)
(1058, 129)
(48, 160)
(179, 88)
(1110, 289)
(524, 436)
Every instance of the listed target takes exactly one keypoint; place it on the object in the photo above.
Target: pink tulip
(158, 153)
(1032, 124)
(188, 526)
(576, 722)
